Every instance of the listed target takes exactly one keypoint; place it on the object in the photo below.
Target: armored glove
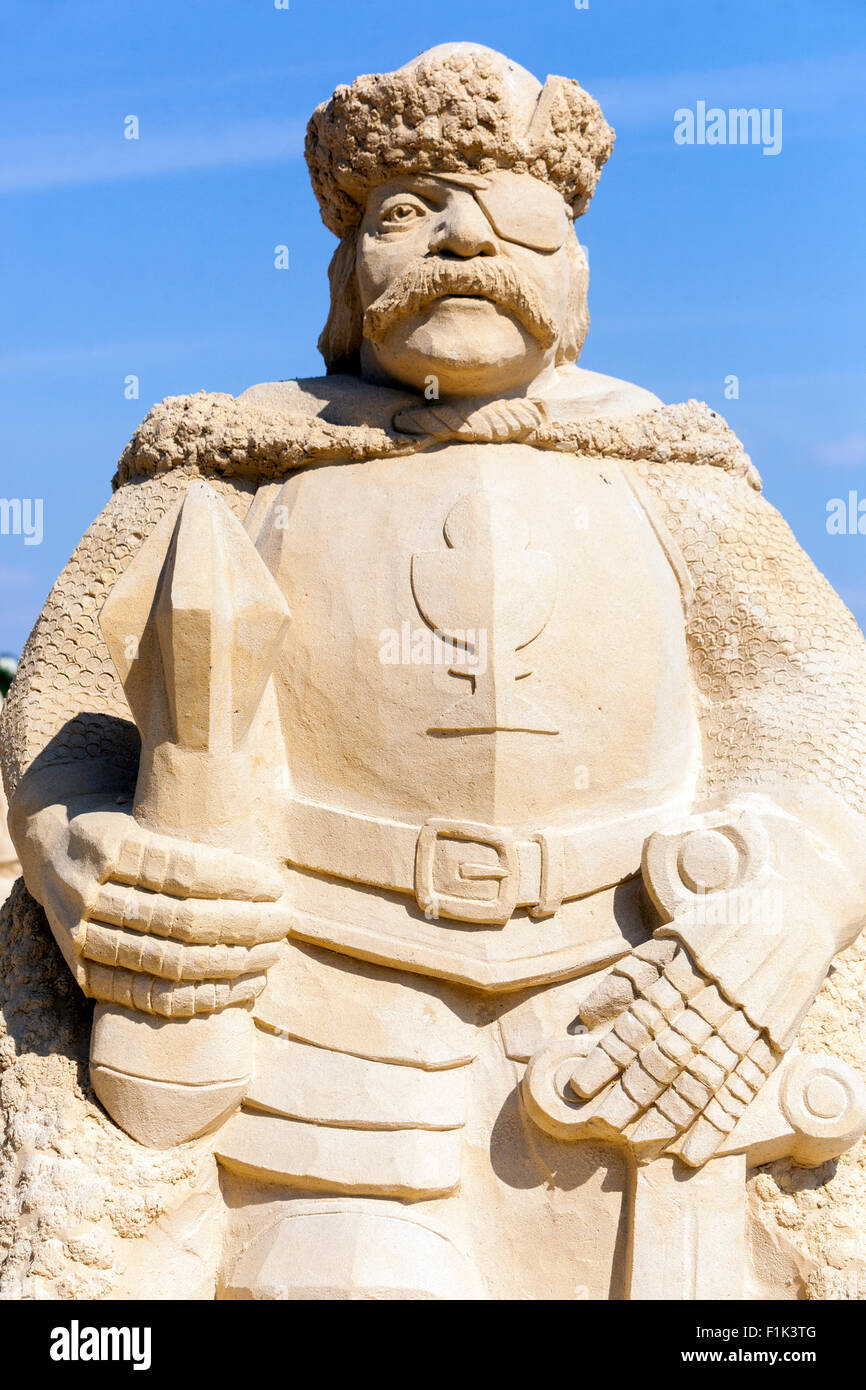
(687, 1061)
(754, 899)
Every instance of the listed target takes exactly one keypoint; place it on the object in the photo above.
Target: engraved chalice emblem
(490, 594)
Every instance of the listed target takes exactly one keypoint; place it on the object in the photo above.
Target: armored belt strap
(470, 871)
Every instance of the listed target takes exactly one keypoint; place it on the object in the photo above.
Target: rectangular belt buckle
(491, 912)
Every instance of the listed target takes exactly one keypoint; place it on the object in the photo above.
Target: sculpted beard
(426, 281)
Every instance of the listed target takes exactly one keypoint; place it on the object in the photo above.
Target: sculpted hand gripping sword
(686, 1200)
(193, 626)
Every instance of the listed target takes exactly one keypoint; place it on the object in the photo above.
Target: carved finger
(637, 985)
(601, 1066)
(695, 1040)
(659, 950)
(675, 1103)
(645, 1080)
(731, 1098)
(618, 1050)
(201, 921)
(128, 853)
(607, 1000)
(166, 999)
(168, 959)
(197, 871)
(626, 982)
(650, 1045)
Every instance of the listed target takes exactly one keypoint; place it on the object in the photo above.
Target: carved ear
(577, 323)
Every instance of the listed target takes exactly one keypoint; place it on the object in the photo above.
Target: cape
(779, 663)
(779, 669)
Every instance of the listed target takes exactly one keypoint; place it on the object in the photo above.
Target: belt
(472, 872)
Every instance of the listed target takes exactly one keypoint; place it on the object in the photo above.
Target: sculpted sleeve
(66, 703)
(779, 666)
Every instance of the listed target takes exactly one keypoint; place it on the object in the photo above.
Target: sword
(686, 1235)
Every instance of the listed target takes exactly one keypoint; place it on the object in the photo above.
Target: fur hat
(457, 107)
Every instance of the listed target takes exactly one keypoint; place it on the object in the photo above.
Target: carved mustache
(425, 281)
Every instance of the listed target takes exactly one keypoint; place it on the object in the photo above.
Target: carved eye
(400, 215)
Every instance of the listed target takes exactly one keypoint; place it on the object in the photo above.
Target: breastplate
(485, 691)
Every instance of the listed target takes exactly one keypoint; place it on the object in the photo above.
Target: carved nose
(463, 231)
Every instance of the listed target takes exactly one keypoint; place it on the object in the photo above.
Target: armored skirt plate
(487, 641)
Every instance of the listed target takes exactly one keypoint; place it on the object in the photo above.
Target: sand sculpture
(440, 793)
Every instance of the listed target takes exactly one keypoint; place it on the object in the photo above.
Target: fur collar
(270, 430)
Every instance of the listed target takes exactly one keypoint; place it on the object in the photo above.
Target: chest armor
(484, 698)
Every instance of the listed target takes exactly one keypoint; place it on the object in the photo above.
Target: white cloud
(847, 452)
(74, 158)
(75, 355)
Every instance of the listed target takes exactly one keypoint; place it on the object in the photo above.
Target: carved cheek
(548, 275)
(368, 268)
(378, 264)
(381, 259)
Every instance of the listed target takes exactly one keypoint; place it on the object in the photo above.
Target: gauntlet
(753, 901)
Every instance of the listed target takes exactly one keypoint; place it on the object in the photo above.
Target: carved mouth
(470, 298)
(423, 285)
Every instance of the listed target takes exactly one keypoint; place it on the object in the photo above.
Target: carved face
(463, 278)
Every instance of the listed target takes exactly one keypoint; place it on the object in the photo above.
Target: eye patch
(524, 210)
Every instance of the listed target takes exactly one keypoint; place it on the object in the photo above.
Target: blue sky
(155, 257)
